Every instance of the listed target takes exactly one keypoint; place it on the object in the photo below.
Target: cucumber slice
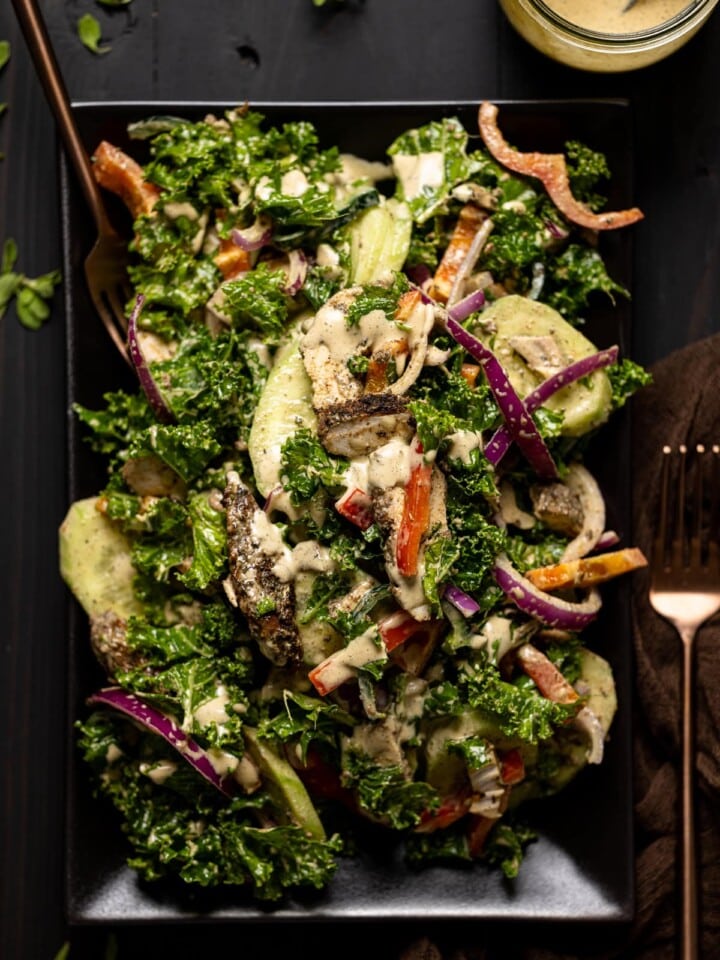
(95, 562)
(285, 405)
(584, 404)
(596, 672)
(284, 785)
(446, 771)
(379, 241)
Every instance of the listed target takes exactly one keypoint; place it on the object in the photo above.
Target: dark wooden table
(268, 50)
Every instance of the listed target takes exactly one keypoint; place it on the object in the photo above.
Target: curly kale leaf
(625, 378)
(447, 138)
(506, 846)
(304, 720)
(377, 296)
(184, 828)
(306, 467)
(519, 711)
(385, 792)
(573, 276)
(187, 449)
(586, 168)
(258, 299)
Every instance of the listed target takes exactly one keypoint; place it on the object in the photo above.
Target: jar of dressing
(607, 36)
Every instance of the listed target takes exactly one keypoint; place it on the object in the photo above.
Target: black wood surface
(271, 50)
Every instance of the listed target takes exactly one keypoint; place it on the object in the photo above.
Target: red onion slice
(607, 539)
(520, 424)
(461, 600)
(550, 610)
(162, 725)
(255, 236)
(463, 308)
(154, 397)
(296, 269)
(500, 442)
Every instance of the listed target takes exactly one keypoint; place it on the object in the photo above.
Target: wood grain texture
(281, 50)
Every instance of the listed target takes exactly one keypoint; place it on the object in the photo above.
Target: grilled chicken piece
(356, 416)
(557, 506)
(108, 639)
(357, 427)
(254, 547)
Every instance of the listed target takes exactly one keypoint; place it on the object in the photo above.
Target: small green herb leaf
(4, 53)
(90, 33)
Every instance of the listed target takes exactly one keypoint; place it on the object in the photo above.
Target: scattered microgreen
(31, 296)
(90, 34)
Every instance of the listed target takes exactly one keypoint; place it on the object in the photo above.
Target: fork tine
(118, 308)
(109, 323)
(697, 518)
(714, 530)
(678, 540)
(662, 542)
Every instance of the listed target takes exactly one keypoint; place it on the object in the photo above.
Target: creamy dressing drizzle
(158, 772)
(462, 444)
(214, 710)
(308, 555)
(417, 171)
(391, 465)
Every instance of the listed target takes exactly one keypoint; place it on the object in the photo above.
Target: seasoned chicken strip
(356, 427)
(254, 547)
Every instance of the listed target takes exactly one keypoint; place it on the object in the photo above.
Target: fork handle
(689, 934)
(46, 65)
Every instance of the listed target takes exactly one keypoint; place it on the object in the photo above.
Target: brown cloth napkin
(681, 406)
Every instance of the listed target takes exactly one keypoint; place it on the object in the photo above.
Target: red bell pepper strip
(356, 506)
(415, 518)
(512, 768)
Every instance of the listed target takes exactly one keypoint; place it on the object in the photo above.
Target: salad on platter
(348, 545)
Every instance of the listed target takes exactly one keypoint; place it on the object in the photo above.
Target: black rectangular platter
(581, 868)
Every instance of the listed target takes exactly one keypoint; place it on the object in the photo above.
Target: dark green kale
(433, 424)
(258, 299)
(187, 286)
(442, 846)
(625, 378)
(377, 296)
(125, 415)
(506, 846)
(215, 378)
(449, 138)
(538, 547)
(567, 657)
(586, 169)
(479, 542)
(573, 276)
(320, 284)
(306, 467)
(185, 828)
(209, 544)
(304, 720)
(385, 792)
(214, 631)
(187, 449)
(519, 711)
(441, 554)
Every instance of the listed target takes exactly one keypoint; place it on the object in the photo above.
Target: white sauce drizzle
(418, 171)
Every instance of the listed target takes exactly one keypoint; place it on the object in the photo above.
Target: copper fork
(685, 590)
(106, 264)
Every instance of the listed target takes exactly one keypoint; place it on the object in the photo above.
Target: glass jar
(603, 35)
